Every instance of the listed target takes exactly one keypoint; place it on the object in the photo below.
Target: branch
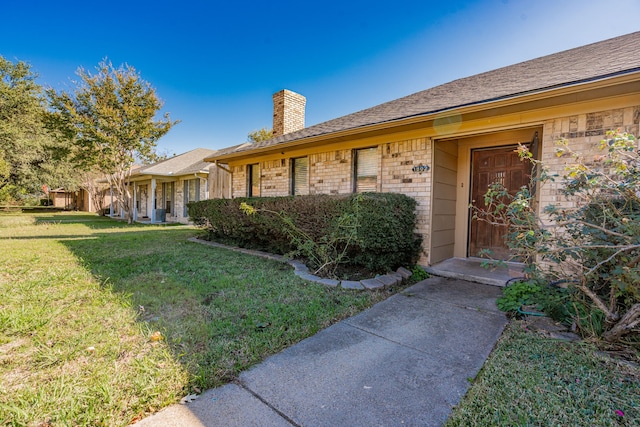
(597, 227)
(630, 320)
(611, 316)
(615, 254)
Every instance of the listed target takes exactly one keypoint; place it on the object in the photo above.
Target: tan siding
(219, 183)
(444, 200)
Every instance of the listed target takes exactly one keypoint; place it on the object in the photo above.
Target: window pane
(366, 170)
(254, 180)
(186, 198)
(192, 190)
(169, 197)
(300, 176)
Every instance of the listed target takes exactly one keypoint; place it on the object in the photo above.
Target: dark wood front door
(494, 165)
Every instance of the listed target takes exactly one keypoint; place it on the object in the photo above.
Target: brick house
(162, 190)
(444, 145)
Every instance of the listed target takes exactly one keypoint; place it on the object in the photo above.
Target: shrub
(595, 246)
(549, 298)
(373, 230)
(386, 224)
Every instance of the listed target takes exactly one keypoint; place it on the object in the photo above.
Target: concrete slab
(404, 272)
(347, 377)
(229, 406)
(388, 280)
(405, 361)
(449, 333)
(372, 284)
(457, 292)
(351, 284)
(329, 282)
(471, 269)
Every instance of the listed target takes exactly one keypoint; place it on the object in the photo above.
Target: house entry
(501, 165)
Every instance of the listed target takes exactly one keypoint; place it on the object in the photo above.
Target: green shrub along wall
(385, 224)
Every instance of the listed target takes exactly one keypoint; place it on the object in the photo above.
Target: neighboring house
(79, 200)
(162, 190)
(445, 145)
(66, 199)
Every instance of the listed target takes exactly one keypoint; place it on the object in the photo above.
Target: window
(300, 176)
(253, 180)
(168, 196)
(191, 193)
(366, 170)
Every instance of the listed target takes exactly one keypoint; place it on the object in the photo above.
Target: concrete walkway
(405, 361)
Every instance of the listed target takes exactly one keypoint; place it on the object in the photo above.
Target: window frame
(253, 173)
(292, 182)
(376, 166)
(168, 197)
(187, 190)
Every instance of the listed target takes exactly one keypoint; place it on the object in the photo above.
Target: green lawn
(532, 380)
(85, 299)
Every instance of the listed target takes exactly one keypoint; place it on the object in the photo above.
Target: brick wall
(288, 112)
(179, 202)
(239, 181)
(583, 132)
(331, 172)
(274, 178)
(398, 159)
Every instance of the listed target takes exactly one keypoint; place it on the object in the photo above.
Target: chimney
(288, 112)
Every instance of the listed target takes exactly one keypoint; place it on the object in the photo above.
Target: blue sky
(215, 64)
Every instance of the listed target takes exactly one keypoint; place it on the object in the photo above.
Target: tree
(110, 119)
(29, 154)
(260, 135)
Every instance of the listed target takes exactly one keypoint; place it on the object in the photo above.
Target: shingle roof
(184, 164)
(579, 65)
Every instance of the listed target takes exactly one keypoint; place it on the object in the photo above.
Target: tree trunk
(629, 321)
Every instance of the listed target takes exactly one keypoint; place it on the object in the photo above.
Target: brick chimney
(288, 112)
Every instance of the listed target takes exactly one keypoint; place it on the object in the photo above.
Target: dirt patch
(549, 328)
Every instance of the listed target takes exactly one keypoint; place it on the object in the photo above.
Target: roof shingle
(582, 64)
(184, 164)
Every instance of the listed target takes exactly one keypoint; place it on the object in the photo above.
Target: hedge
(385, 224)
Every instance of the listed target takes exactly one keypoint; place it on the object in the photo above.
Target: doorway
(490, 165)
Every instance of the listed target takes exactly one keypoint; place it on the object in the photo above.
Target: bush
(593, 247)
(549, 298)
(373, 230)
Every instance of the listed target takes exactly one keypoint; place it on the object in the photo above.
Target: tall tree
(29, 155)
(111, 119)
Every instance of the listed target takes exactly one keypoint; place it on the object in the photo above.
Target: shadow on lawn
(220, 311)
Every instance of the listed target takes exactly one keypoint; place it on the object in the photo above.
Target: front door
(494, 165)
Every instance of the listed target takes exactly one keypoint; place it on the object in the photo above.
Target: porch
(472, 270)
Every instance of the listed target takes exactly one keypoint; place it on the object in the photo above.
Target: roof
(583, 64)
(184, 164)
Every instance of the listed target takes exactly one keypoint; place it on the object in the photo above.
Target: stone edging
(302, 271)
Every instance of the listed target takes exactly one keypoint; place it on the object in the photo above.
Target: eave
(437, 122)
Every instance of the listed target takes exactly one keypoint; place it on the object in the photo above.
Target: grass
(102, 322)
(530, 380)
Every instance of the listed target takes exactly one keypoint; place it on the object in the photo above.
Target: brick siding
(583, 132)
